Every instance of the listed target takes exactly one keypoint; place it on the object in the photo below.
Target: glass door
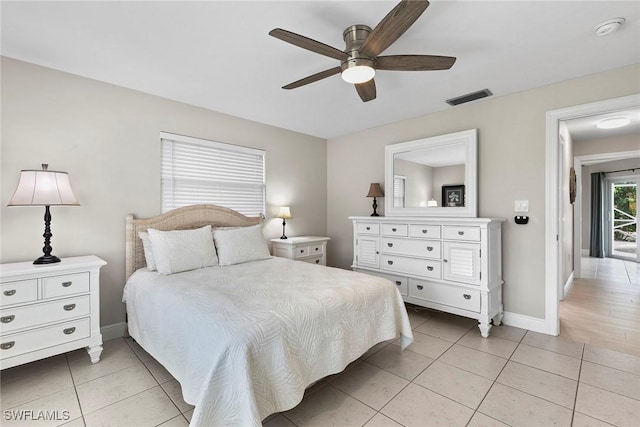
(623, 241)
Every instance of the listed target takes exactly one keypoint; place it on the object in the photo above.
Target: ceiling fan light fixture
(358, 70)
(613, 123)
(608, 27)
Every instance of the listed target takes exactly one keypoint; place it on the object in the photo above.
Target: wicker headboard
(186, 218)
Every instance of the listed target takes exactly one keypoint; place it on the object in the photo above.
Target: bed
(245, 339)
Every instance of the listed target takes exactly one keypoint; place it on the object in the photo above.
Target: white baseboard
(516, 320)
(568, 285)
(117, 330)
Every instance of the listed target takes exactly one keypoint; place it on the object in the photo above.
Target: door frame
(553, 186)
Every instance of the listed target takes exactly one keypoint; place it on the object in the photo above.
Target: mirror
(432, 176)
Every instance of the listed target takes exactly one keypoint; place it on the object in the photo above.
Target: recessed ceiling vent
(469, 97)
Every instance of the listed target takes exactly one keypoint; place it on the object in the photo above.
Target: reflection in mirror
(432, 176)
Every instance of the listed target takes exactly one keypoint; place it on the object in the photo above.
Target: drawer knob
(394, 229)
(390, 245)
(67, 284)
(390, 262)
(368, 228)
(317, 261)
(10, 292)
(429, 248)
(301, 251)
(429, 268)
(7, 319)
(7, 345)
(398, 282)
(69, 307)
(461, 233)
(424, 231)
(444, 260)
(420, 287)
(69, 331)
(466, 296)
(317, 249)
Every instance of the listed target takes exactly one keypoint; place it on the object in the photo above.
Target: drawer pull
(7, 319)
(66, 284)
(466, 296)
(461, 233)
(368, 228)
(317, 261)
(444, 260)
(9, 293)
(317, 249)
(69, 331)
(398, 282)
(420, 287)
(429, 268)
(390, 262)
(424, 231)
(390, 245)
(69, 307)
(394, 229)
(429, 248)
(7, 345)
(301, 251)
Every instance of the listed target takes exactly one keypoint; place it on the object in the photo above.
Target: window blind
(196, 171)
(398, 191)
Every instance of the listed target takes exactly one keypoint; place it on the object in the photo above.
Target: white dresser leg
(497, 320)
(94, 353)
(484, 329)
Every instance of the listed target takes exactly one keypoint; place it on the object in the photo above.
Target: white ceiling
(585, 128)
(218, 54)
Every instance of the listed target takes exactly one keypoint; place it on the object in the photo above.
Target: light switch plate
(521, 206)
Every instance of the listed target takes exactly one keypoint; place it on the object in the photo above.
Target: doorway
(622, 196)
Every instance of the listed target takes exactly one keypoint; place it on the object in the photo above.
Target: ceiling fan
(360, 59)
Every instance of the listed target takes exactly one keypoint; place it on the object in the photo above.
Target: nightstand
(311, 249)
(49, 309)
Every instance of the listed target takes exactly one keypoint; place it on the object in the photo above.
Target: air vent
(469, 97)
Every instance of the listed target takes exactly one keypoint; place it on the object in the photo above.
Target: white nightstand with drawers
(311, 249)
(49, 309)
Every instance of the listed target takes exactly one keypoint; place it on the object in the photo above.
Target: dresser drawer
(37, 339)
(426, 231)
(69, 284)
(368, 228)
(314, 260)
(418, 267)
(18, 292)
(301, 251)
(471, 234)
(419, 248)
(316, 249)
(42, 313)
(394, 230)
(452, 296)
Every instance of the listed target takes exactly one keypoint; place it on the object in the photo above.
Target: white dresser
(49, 309)
(311, 249)
(449, 264)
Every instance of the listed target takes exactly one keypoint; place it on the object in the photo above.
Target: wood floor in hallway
(603, 307)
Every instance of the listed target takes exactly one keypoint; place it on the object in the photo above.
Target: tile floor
(449, 376)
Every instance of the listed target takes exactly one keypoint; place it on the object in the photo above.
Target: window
(197, 171)
(398, 191)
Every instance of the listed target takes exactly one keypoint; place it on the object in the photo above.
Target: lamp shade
(375, 190)
(43, 188)
(284, 213)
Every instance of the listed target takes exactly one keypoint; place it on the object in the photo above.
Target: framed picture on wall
(453, 195)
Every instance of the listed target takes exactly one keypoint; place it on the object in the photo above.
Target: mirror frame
(469, 138)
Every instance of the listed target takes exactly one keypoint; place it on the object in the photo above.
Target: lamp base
(47, 259)
(283, 237)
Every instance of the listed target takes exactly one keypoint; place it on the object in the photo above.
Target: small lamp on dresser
(44, 188)
(285, 214)
(375, 191)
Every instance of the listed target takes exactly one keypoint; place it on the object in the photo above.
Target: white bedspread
(244, 341)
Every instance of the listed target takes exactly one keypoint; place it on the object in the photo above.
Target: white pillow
(181, 250)
(148, 251)
(240, 245)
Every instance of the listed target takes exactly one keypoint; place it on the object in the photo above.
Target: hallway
(603, 307)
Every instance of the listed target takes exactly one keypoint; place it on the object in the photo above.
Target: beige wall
(107, 138)
(511, 166)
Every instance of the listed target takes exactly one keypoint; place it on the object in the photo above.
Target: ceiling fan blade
(307, 43)
(313, 78)
(367, 90)
(414, 62)
(393, 26)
